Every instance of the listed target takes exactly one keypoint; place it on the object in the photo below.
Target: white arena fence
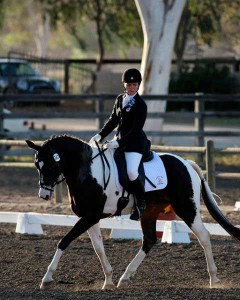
(121, 227)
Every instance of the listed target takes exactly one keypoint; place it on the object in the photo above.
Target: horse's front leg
(149, 239)
(48, 277)
(80, 227)
(96, 237)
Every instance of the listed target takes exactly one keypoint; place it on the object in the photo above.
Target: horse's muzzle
(45, 194)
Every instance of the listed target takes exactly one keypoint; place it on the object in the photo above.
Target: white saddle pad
(154, 171)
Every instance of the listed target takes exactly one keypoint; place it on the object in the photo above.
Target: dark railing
(208, 151)
(100, 113)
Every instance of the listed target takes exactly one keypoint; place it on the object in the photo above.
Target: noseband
(51, 189)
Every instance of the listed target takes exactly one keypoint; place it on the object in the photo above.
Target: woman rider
(129, 114)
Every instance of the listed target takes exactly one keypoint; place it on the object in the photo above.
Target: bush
(204, 78)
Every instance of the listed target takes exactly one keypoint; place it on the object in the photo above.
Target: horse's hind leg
(131, 268)
(203, 237)
(148, 223)
(97, 242)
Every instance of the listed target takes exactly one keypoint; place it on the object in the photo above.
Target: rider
(129, 114)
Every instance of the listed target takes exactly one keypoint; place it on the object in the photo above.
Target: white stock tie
(126, 99)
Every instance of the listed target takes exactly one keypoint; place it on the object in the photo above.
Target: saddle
(121, 164)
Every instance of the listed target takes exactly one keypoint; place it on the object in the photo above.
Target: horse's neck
(99, 169)
(77, 168)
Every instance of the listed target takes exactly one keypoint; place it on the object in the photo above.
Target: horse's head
(48, 164)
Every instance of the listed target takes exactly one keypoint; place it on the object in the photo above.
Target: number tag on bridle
(56, 157)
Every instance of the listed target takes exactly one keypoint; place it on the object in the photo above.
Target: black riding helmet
(131, 75)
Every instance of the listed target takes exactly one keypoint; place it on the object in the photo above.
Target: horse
(93, 196)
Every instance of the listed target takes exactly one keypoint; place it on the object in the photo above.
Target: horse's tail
(212, 205)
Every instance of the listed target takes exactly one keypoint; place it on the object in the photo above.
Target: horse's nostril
(46, 197)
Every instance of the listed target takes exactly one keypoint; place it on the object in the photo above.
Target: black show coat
(130, 121)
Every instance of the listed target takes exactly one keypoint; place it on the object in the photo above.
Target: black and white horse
(92, 199)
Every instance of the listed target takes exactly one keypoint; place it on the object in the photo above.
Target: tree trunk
(40, 27)
(160, 19)
(184, 30)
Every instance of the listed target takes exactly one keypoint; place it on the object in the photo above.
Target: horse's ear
(32, 145)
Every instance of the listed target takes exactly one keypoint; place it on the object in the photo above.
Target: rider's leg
(137, 188)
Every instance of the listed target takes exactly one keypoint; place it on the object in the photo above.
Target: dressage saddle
(120, 161)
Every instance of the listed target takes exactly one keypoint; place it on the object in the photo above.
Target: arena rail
(199, 113)
(173, 231)
(209, 151)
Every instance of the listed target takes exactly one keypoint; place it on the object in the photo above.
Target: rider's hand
(112, 144)
(96, 138)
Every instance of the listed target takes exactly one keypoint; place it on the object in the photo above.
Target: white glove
(112, 144)
(96, 138)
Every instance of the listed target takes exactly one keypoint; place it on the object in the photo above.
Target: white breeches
(133, 160)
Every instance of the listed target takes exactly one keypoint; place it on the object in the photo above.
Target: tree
(208, 21)
(2, 13)
(160, 21)
(40, 26)
(111, 19)
(32, 35)
(230, 16)
(200, 21)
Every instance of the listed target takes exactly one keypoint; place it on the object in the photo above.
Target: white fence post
(117, 233)
(24, 226)
(171, 235)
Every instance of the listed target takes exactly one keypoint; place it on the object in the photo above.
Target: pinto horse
(93, 197)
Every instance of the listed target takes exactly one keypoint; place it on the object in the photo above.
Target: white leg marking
(203, 237)
(51, 268)
(131, 268)
(96, 237)
(201, 232)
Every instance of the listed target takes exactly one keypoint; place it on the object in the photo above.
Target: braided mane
(79, 145)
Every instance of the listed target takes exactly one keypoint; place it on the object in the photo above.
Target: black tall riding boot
(137, 188)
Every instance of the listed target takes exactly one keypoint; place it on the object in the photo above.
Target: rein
(104, 163)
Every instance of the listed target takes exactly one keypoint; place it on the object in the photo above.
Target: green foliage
(206, 17)
(204, 78)
(15, 33)
(113, 20)
(208, 21)
(2, 13)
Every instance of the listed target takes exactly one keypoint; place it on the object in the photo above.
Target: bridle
(61, 178)
(51, 189)
(57, 165)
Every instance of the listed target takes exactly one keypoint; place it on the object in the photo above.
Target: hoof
(124, 283)
(108, 287)
(215, 284)
(46, 285)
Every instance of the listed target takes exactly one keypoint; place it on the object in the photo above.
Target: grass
(222, 122)
(228, 160)
(19, 159)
